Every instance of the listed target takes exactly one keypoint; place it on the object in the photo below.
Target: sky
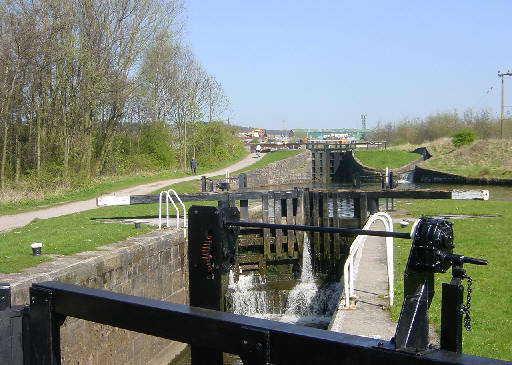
(288, 64)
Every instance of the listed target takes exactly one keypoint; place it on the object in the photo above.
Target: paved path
(371, 317)
(9, 222)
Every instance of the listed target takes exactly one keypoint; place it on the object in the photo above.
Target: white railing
(348, 269)
(183, 206)
(168, 198)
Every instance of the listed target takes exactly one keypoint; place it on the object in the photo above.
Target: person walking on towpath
(193, 165)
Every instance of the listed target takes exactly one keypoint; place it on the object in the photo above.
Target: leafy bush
(156, 141)
(463, 137)
(215, 141)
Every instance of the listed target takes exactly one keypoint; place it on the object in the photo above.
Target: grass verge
(386, 158)
(484, 158)
(489, 238)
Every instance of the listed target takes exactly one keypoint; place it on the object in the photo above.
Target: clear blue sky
(321, 64)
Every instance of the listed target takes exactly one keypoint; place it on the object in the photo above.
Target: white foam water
(307, 303)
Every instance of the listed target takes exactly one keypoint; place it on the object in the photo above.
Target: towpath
(9, 222)
(371, 316)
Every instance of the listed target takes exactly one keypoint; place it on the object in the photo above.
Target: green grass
(487, 238)
(386, 158)
(269, 158)
(103, 186)
(70, 234)
(484, 158)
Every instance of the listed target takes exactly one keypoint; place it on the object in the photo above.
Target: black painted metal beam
(343, 231)
(278, 343)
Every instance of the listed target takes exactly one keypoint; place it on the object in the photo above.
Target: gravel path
(9, 222)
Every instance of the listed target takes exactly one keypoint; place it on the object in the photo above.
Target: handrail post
(44, 328)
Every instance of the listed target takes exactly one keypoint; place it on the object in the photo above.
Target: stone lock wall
(293, 170)
(153, 266)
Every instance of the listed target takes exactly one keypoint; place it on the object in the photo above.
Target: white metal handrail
(183, 205)
(167, 199)
(348, 268)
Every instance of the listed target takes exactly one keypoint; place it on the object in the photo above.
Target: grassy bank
(14, 201)
(386, 158)
(484, 158)
(80, 232)
(487, 238)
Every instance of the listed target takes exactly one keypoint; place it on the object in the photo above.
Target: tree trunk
(4, 154)
(38, 145)
(18, 154)
(4, 112)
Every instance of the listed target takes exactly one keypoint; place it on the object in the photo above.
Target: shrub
(463, 137)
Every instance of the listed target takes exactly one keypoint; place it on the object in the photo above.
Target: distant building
(348, 133)
(257, 133)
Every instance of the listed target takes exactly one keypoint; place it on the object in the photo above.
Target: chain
(467, 307)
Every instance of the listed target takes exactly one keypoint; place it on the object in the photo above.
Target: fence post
(44, 328)
(451, 316)
(244, 209)
(242, 181)
(361, 209)
(203, 184)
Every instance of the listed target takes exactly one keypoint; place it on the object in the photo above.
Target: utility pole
(502, 75)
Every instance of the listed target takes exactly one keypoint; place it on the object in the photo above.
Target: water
(345, 208)
(307, 301)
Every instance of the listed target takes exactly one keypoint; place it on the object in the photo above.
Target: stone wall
(423, 175)
(153, 266)
(293, 170)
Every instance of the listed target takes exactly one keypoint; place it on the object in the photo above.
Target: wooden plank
(278, 220)
(316, 235)
(106, 200)
(336, 223)
(266, 231)
(244, 209)
(326, 236)
(192, 197)
(290, 219)
(470, 194)
(250, 195)
(299, 218)
(349, 223)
